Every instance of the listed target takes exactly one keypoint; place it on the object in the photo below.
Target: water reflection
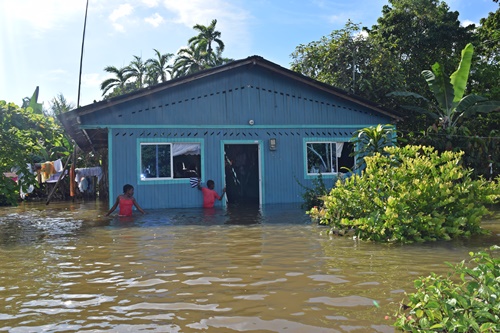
(241, 269)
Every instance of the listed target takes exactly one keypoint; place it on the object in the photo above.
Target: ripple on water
(328, 278)
(146, 283)
(251, 297)
(209, 280)
(253, 324)
(346, 301)
(171, 307)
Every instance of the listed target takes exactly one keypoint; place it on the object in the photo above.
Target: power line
(457, 136)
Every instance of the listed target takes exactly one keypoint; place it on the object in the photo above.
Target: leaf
(484, 107)
(420, 110)
(469, 101)
(459, 78)
(406, 94)
(433, 327)
(441, 87)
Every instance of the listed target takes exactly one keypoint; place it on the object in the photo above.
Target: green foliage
(479, 151)
(24, 133)
(158, 68)
(122, 75)
(486, 75)
(458, 116)
(467, 300)
(199, 55)
(418, 32)
(348, 60)
(206, 36)
(313, 196)
(371, 140)
(412, 193)
(448, 92)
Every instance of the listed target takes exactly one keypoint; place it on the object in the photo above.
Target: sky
(41, 40)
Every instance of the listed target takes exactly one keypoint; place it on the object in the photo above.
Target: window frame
(332, 142)
(166, 141)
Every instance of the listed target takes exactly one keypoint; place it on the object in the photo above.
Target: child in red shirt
(209, 195)
(126, 201)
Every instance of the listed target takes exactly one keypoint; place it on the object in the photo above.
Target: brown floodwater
(66, 268)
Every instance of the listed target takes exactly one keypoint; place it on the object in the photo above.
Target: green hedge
(410, 194)
(467, 300)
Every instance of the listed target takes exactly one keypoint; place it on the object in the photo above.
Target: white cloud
(92, 80)
(41, 16)
(118, 14)
(150, 3)
(233, 19)
(155, 20)
(122, 11)
(57, 74)
(468, 22)
(338, 19)
(363, 34)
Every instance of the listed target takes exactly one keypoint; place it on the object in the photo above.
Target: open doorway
(242, 173)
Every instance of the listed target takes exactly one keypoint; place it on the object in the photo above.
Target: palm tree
(121, 77)
(206, 36)
(216, 59)
(137, 69)
(158, 68)
(189, 60)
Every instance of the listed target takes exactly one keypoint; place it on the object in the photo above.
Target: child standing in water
(126, 201)
(209, 195)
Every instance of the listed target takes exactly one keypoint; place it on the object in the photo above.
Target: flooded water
(66, 268)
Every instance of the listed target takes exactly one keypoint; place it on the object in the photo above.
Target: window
(328, 157)
(170, 160)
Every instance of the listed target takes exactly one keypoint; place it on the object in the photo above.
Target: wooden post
(72, 187)
(58, 179)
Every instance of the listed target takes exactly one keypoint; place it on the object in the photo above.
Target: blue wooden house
(251, 125)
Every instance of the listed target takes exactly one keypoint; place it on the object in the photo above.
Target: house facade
(253, 126)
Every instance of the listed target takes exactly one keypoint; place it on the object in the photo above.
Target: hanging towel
(58, 166)
(84, 184)
(47, 169)
(194, 181)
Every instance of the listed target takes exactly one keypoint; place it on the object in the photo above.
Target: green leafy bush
(467, 300)
(312, 196)
(409, 194)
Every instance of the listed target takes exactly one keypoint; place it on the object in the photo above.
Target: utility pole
(81, 56)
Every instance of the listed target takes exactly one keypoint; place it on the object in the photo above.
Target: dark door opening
(242, 173)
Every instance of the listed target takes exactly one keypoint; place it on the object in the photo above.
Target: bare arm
(114, 206)
(222, 195)
(139, 207)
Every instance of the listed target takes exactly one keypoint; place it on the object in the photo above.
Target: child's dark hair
(210, 182)
(127, 187)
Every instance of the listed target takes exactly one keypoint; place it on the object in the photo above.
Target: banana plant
(449, 93)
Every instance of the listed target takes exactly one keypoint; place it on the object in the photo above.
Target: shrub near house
(411, 194)
(466, 300)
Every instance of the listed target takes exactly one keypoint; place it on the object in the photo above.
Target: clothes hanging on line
(54, 177)
(83, 186)
(47, 169)
(82, 177)
(80, 173)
